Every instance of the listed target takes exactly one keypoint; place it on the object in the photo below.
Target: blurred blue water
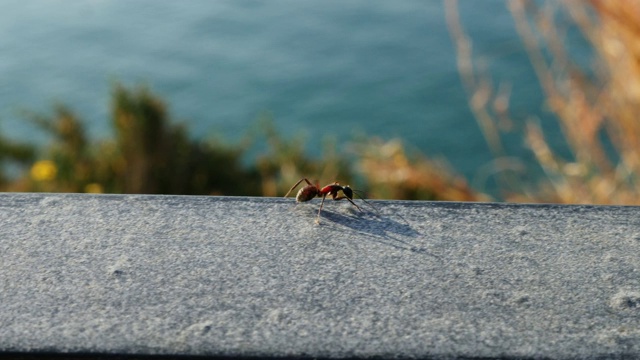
(319, 68)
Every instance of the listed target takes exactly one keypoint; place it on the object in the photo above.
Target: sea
(333, 69)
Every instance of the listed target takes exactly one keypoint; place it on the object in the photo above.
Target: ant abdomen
(307, 193)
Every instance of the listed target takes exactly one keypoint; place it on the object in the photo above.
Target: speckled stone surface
(127, 274)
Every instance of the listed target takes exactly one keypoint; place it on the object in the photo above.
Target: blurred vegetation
(596, 108)
(151, 153)
(596, 105)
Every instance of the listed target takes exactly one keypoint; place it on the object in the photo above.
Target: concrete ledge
(176, 275)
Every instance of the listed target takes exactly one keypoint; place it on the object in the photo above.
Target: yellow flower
(94, 188)
(44, 170)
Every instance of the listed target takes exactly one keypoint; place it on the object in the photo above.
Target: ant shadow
(378, 228)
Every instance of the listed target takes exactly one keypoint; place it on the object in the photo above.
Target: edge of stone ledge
(292, 199)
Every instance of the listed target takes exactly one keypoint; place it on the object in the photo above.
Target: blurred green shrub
(154, 155)
(150, 153)
(13, 153)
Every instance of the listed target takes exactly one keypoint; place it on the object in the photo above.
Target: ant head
(348, 192)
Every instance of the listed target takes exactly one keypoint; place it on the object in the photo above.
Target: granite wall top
(237, 276)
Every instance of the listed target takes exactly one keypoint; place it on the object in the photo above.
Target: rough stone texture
(257, 277)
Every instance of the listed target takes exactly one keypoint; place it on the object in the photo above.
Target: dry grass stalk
(391, 173)
(596, 106)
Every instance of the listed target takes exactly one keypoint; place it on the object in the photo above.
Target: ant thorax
(307, 193)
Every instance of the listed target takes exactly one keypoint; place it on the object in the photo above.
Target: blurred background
(532, 101)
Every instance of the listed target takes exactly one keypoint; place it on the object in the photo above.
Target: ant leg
(351, 201)
(360, 195)
(319, 210)
(296, 185)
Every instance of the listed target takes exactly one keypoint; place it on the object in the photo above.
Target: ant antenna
(360, 194)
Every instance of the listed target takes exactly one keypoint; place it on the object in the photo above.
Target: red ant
(311, 191)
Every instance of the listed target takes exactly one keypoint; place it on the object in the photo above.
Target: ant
(311, 191)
